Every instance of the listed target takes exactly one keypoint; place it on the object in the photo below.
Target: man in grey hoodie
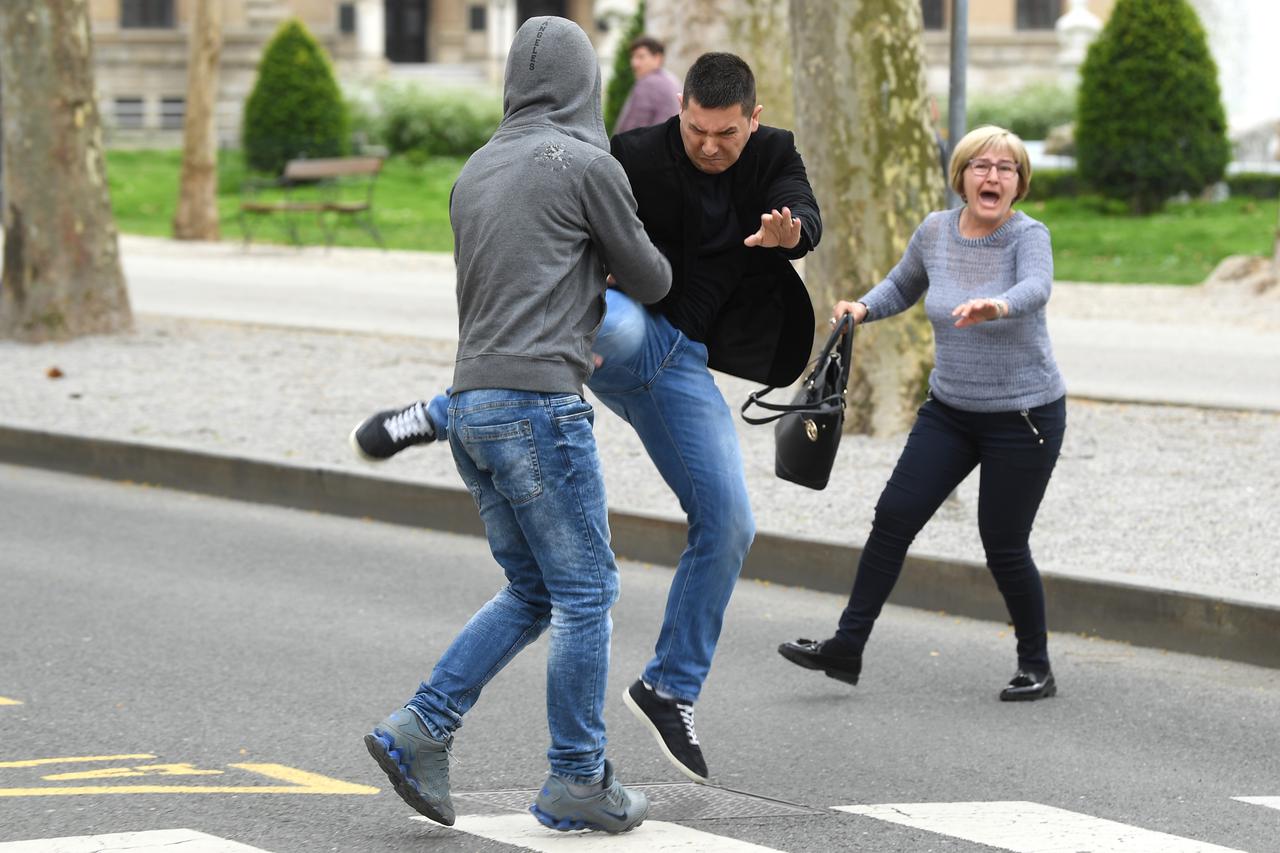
(539, 214)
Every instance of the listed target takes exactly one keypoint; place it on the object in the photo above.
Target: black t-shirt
(715, 271)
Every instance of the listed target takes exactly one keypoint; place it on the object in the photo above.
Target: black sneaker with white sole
(671, 722)
(385, 434)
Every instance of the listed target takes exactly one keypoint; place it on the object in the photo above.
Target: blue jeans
(530, 462)
(657, 380)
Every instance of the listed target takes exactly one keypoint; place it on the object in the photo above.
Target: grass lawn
(410, 202)
(1092, 240)
(1180, 245)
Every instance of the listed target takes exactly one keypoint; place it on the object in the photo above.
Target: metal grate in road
(671, 801)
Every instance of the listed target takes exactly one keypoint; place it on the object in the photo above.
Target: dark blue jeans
(1015, 452)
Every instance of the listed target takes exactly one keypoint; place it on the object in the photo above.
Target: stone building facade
(140, 50)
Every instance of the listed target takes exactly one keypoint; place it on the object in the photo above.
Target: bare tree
(62, 274)
(197, 215)
(863, 125)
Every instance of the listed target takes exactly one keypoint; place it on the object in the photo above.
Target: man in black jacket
(728, 203)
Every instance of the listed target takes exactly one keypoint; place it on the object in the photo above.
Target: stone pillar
(371, 36)
(1076, 30)
(502, 29)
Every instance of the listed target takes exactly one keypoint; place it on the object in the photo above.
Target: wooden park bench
(329, 188)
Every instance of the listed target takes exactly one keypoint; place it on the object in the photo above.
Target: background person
(996, 402)
(535, 213)
(655, 97)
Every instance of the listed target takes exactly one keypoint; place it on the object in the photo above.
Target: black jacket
(765, 331)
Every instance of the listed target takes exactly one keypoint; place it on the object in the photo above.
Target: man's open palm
(776, 229)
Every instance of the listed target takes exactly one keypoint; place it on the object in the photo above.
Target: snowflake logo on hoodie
(553, 153)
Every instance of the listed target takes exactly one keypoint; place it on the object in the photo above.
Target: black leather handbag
(807, 434)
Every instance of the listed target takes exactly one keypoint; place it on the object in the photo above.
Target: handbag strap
(841, 336)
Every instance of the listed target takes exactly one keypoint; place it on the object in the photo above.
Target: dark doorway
(526, 9)
(406, 27)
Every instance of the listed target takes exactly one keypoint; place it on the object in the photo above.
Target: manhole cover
(671, 801)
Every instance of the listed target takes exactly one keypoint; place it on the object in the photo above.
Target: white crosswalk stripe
(156, 841)
(1269, 802)
(1032, 828)
(652, 836)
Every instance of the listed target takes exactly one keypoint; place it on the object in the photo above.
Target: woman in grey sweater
(996, 402)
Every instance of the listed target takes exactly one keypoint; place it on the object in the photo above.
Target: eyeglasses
(982, 168)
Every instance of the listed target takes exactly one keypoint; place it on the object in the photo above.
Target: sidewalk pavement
(1157, 529)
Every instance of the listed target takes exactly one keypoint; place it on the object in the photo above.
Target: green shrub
(1030, 112)
(407, 119)
(623, 79)
(1055, 183)
(295, 108)
(1254, 184)
(1149, 121)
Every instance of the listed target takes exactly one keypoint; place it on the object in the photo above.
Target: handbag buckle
(810, 429)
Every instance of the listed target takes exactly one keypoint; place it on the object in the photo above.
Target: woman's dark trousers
(1015, 455)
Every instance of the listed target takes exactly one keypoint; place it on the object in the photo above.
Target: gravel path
(1182, 496)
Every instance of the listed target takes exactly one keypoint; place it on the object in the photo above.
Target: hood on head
(553, 77)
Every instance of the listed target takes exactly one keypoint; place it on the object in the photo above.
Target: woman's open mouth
(989, 197)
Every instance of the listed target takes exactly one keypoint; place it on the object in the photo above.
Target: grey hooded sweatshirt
(539, 214)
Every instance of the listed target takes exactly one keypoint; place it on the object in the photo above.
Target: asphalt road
(228, 658)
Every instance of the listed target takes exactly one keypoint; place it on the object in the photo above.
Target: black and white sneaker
(385, 434)
(671, 722)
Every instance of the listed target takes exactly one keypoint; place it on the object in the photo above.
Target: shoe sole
(355, 445)
(802, 661)
(403, 785)
(1051, 690)
(564, 824)
(657, 735)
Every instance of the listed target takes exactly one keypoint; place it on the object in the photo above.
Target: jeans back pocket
(509, 454)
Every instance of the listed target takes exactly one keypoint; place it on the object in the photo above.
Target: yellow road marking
(4, 700)
(37, 762)
(301, 782)
(126, 772)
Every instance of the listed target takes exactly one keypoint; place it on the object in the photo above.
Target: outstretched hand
(976, 311)
(776, 229)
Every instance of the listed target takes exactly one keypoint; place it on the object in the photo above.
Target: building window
(346, 18)
(476, 19)
(933, 14)
(1038, 14)
(146, 14)
(172, 112)
(128, 113)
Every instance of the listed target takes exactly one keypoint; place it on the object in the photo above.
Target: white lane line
(652, 836)
(1269, 802)
(1031, 828)
(157, 841)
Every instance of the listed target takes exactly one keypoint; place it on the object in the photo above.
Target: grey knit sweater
(998, 366)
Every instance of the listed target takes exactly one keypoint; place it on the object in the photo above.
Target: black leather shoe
(810, 654)
(1026, 686)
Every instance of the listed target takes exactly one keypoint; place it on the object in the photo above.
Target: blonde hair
(980, 139)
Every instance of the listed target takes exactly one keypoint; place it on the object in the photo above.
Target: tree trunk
(197, 214)
(756, 30)
(759, 32)
(863, 127)
(62, 274)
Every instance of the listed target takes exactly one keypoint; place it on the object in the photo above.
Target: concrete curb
(1191, 621)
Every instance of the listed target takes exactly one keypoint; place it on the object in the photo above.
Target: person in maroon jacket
(656, 95)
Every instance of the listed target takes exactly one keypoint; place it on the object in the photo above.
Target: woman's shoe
(1026, 686)
(813, 654)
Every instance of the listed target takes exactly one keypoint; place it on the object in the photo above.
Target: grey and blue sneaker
(416, 763)
(612, 809)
